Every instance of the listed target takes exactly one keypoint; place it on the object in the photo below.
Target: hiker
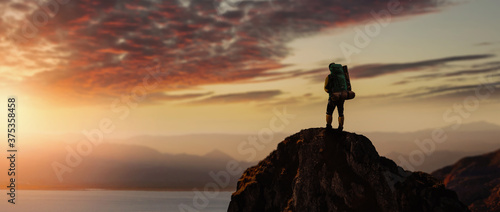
(338, 86)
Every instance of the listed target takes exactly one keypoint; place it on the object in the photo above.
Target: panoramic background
(171, 90)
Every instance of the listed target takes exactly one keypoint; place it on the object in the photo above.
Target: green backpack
(337, 78)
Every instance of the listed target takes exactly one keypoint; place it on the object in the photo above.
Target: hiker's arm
(326, 84)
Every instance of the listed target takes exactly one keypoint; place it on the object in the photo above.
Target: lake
(109, 201)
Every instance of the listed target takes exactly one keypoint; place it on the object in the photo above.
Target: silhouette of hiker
(337, 85)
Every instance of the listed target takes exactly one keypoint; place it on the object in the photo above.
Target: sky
(150, 67)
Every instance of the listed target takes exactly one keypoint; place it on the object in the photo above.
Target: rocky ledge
(326, 170)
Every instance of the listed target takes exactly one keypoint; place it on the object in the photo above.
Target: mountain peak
(478, 126)
(476, 179)
(217, 154)
(319, 170)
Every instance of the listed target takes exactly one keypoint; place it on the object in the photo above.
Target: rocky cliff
(319, 170)
(476, 181)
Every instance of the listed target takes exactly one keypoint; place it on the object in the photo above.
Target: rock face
(319, 170)
(476, 181)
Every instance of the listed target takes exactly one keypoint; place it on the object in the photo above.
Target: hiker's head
(336, 68)
(331, 66)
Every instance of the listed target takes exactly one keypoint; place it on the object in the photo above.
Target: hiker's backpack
(339, 83)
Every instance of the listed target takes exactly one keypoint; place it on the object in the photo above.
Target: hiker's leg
(329, 111)
(340, 105)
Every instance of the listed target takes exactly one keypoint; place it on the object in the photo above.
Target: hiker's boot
(329, 120)
(341, 123)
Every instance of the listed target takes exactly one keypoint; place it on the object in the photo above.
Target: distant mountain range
(476, 180)
(201, 144)
(470, 139)
(119, 166)
(160, 162)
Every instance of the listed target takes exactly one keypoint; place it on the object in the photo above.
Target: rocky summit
(326, 170)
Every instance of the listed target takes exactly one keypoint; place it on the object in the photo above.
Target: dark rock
(318, 170)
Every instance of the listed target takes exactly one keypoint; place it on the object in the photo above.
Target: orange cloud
(195, 45)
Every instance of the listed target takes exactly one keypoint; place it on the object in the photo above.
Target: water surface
(111, 201)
